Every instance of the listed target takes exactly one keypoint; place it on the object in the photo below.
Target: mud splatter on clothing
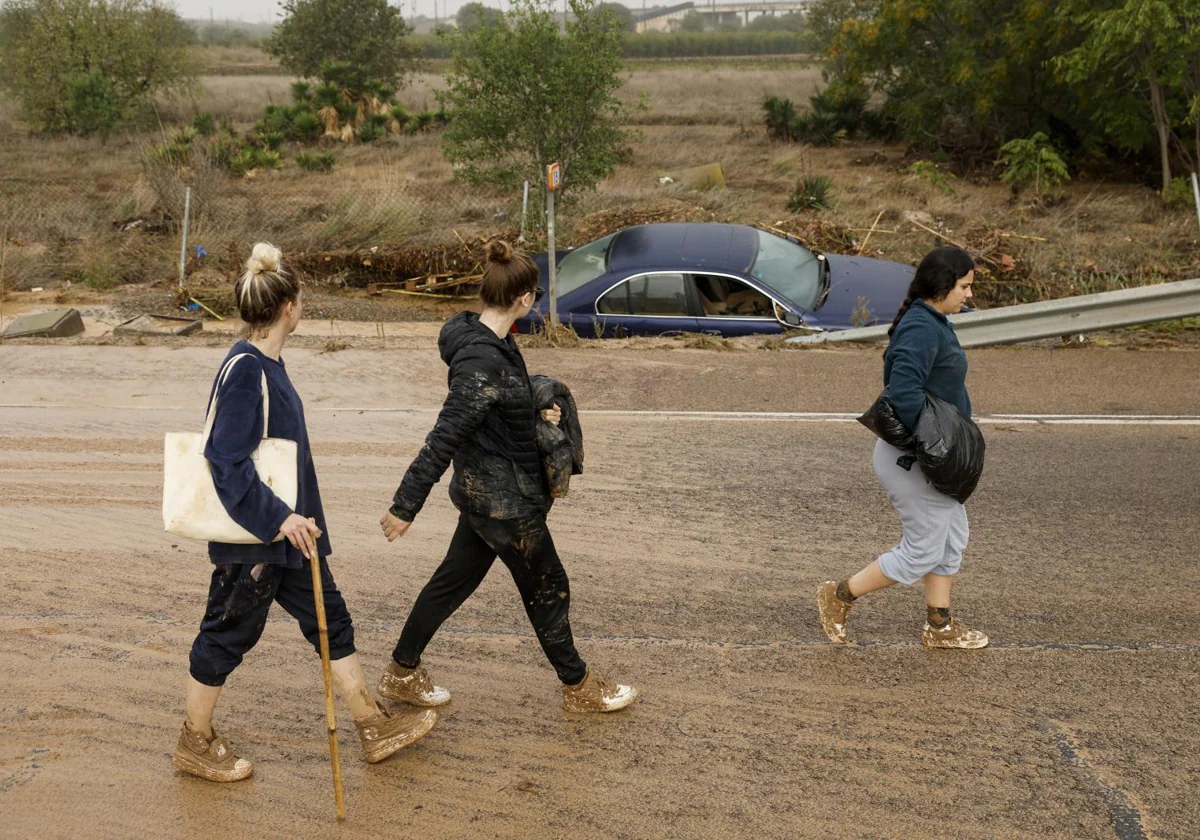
(526, 548)
(486, 428)
(237, 614)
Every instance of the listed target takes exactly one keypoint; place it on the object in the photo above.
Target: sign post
(553, 183)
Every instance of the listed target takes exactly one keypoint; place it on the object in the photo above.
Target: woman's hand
(302, 533)
(552, 414)
(393, 526)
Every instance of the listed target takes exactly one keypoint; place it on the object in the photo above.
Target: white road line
(755, 416)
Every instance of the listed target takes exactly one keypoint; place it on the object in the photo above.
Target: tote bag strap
(212, 406)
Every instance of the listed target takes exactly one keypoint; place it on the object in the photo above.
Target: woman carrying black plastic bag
(923, 356)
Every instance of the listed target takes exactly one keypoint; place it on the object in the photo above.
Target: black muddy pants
(237, 614)
(525, 547)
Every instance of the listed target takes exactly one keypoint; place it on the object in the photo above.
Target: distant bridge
(715, 14)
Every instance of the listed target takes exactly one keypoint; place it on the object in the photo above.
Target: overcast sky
(264, 10)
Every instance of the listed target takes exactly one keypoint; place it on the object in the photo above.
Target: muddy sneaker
(953, 636)
(411, 685)
(387, 733)
(213, 760)
(833, 612)
(597, 694)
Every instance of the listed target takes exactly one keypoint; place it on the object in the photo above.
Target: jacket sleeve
(914, 350)
(474, 389)
(236, 433)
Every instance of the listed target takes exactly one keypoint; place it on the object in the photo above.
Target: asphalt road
(694, 544)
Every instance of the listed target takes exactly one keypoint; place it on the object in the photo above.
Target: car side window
(658, 294)
(725, 297)
(615, 301)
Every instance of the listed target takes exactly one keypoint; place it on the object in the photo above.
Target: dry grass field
(59, 198)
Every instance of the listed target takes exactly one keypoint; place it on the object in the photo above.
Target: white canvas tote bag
(191, 507)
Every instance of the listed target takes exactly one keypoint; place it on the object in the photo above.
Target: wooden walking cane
(339, 796)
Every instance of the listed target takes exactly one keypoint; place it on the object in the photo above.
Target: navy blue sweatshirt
(924, 355)
(236, 433)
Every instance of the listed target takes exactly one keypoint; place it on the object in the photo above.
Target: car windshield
(788, 268)
(582, 265)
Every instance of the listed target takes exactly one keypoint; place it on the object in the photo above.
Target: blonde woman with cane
(246, 579)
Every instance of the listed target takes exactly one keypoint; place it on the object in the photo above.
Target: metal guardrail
(1052, 318)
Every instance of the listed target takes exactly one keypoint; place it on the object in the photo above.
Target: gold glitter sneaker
(411, 685)
(953, 636)
(597, 694)
(833, 612)
(387, 733)
(213, 760)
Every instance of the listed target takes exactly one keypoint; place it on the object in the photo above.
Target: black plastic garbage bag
(946, 443)
(881, 419)
(949, 448)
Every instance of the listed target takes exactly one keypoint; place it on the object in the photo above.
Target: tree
(87, 66)
(367, 34)
(475, 16)
(1143, 51)
(826, 18)
(963, 76)
(521, 96)
(693, 21)
(621, 14)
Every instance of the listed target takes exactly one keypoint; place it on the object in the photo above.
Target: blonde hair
(266, 284)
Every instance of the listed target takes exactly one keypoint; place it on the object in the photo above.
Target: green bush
(87, 66)
(306, 127)
(813, 192)
(1032, 162)
(205, 124)
(322, 162)
(818, 128)
(1179, 195)
(369, 132)
(271, 141)
(779, 115)
(92, 105)
(223, 150)
(928, 171)
(837, 112)
(267, 159)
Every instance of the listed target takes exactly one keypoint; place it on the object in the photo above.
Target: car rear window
(582, 265)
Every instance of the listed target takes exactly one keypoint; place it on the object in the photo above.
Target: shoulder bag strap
(212, 406)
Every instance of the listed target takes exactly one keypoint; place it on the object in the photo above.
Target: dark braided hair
(938, 273)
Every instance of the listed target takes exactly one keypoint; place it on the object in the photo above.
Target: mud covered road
(694, 545)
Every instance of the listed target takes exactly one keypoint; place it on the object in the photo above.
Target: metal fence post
(524, 211)
(187, 209)
(1196, 195)
(550, 258)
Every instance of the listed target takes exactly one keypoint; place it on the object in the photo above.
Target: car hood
(863, 291)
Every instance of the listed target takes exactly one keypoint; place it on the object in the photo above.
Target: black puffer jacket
(561, 446)
(487, 427)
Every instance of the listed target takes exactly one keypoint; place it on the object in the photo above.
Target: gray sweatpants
(935, 526)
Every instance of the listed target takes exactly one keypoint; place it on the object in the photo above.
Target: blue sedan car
(718, 279)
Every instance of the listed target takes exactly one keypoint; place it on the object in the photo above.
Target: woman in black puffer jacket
(488, 429)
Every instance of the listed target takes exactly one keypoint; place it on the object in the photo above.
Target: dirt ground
(694, 545)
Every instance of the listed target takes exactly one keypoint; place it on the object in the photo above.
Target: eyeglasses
(538, 294)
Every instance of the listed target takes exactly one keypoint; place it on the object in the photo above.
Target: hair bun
(499, 251)
(264, 258)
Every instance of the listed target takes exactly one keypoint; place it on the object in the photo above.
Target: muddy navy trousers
(237, 613)
(525, 547)
(935, 526)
